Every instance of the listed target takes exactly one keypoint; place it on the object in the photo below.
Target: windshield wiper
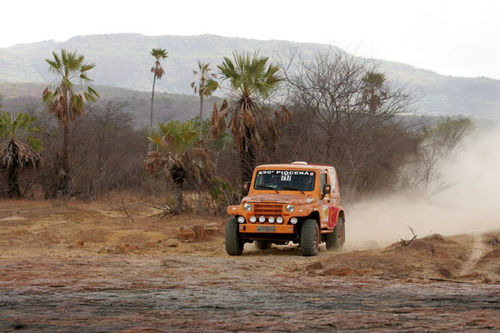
(267, 187)
(292, 189)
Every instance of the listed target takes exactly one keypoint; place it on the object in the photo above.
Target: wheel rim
(316, 239)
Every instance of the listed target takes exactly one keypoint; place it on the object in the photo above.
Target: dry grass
(32, 228)
(65, 230)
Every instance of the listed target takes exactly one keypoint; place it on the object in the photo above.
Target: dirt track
(60, 271)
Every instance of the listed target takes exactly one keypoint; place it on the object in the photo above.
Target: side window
(322, 181)
(333, 181)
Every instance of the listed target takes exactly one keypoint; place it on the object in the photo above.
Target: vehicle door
(334, 204)
(325, 202)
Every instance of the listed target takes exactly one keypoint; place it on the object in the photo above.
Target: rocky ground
(99, 267)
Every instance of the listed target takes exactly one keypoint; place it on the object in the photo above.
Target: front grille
(268, 209)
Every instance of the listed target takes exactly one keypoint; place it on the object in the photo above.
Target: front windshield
(287, 180)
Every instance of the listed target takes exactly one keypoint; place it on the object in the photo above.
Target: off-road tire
(310, 238)
(337, 236)
(261, 245)
(234, 245)
(330, 241)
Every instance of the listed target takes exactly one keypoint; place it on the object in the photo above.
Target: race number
(286, 178)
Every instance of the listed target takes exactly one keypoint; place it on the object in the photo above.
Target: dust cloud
(469, 203)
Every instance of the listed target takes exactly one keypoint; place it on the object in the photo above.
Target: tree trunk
(178, 177)
(12, 180)
(178, 198)
(151, 115)
(201, 118)
(65, 174)
(247, 164)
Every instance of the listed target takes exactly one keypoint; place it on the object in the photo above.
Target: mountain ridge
(123, 61)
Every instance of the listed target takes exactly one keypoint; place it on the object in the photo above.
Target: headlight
(253, 219)
(290, 208)
(271, 219)
(279, 219)
(294, 220)
(262, 219)
(241, 219)
(247, 207)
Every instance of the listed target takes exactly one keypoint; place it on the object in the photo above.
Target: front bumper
(258, 228)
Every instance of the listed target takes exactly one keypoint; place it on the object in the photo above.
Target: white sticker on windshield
(286, 178)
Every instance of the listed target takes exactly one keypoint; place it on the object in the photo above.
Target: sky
(459, 38)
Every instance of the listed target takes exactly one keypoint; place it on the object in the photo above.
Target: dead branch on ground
(126, 212)
(404, 242)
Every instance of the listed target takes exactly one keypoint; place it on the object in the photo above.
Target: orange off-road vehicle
(296, 202)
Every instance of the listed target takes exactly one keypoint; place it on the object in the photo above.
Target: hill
(123, 60)
(27, 97)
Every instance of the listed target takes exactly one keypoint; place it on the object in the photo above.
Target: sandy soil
(89, 267)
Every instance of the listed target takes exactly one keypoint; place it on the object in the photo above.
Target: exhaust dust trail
(470, 203)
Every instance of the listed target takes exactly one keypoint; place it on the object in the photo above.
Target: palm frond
(159, 53)
(250, 74)
(204, 83)
(17, 153)
(68, 66)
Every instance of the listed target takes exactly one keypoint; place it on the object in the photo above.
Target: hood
(297, 199)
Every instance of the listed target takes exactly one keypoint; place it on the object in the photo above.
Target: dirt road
(185, 293)
(56, 275)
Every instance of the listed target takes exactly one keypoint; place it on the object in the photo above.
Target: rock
(445, 273)
(79, 243)
(338, 271)
(314, 266)
(212, 228)
(172, 242)
(199, 232)
(186, 234)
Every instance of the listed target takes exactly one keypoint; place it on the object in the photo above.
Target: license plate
(265, 228)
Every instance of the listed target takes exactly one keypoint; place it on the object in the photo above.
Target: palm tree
(66, 100)
(204, 84)
(374, 93)
(15, 154)
(175, 156)
(251, 78)
(158, 72)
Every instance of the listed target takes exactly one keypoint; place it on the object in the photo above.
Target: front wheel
(310, 238)
(234, 245)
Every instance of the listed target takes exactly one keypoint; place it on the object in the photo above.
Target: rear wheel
(337, 236)
(234, 245)
(261, 245)
(310, 238)
(330, 241)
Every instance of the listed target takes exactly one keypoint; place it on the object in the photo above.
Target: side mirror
(327, 188)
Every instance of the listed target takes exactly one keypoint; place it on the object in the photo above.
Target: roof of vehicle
(296, 165)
